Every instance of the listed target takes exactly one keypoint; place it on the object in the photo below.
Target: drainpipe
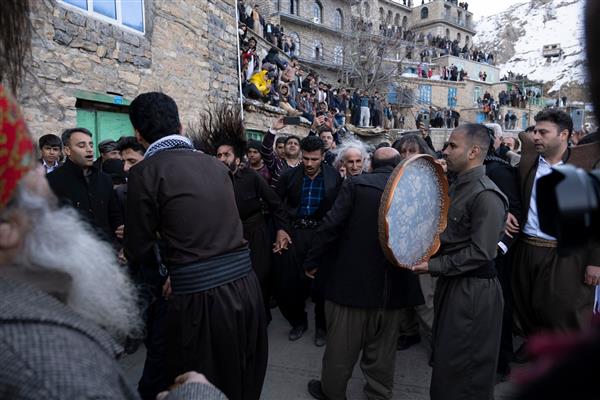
(239, 62)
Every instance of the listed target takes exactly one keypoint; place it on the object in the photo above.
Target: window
(424, 13)
(388, 19)
(296, 40)
(339, 19)
(294, 7)
(425, 94)
(467, 39)
(317, 12)
(452, 97)
(126, 13)
(476, 94)
(338, 55)
(447, 33)
(404, 22)
(381, 15)
(397, 20)
(366, 9)
(318, 50)
(458, 37)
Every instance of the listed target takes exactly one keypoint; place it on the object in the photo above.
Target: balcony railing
(460, 22)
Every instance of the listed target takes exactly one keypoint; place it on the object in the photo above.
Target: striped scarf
(171, 142)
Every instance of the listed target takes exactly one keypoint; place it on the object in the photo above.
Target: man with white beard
(63, 297)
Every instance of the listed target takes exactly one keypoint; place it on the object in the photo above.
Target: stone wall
(189, 51)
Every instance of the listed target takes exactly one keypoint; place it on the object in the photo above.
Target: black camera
(568, 202)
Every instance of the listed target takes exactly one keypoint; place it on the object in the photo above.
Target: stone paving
(293, 364)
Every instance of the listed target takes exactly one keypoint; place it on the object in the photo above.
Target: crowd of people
(184, 238)
(515, 98)
(277, 82)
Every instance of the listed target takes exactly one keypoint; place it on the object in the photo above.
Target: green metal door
(104, 125)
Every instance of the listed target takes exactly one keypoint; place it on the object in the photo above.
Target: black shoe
(320, 337)
(405, 342)
(297, 332)
(314, 388)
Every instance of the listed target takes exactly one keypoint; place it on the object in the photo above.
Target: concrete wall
(188, 51)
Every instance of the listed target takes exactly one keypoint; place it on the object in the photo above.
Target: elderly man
(352, 158)
(63, 297)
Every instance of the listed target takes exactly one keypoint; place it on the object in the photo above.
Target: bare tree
(373, 57)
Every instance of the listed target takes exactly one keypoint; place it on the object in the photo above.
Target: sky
(482, 8)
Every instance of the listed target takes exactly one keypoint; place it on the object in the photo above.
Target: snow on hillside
(518, 35)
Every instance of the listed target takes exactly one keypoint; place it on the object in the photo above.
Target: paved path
(293, 364)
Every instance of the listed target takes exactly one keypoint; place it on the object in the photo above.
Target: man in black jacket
(307, 192)
(84, 187)
(364, 293)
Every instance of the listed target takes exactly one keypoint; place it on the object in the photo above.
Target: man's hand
(311, 274)
(424, 131)
(188, 377)
(592, 275)
(422, 268)
(277, 124)
(512, 225)
(119, 233)
(282, 241)
(166, 289)
(121, 257)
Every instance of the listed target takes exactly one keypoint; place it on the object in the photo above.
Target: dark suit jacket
(95, 201)
(361, 276)
(586, 157)
(289, 189)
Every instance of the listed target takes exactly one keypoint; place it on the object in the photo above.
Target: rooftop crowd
(188, 239)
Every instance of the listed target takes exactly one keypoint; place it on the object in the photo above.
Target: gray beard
(101, 290)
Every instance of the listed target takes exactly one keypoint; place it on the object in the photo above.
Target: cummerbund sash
(210, 273)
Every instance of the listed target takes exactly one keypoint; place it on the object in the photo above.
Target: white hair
(59, 240)
(348, 144)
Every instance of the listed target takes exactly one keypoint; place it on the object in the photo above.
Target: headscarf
(17, 152)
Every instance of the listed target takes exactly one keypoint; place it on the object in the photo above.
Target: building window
(424, 13)
(476, 94)
(366, 9)
(447, 33)
(317, 12)
(467, 39)
(126, 13)
(338, 55)
(296, 40)
(404, 22)
(458, 37)
(388, 19)
(397, 20)
(425, 94)
(294, 9)
(318, 50)
(381, 15)
(339, 19)
(452, 97)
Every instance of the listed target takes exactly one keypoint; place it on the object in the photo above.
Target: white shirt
(532, 227)
(49, 168)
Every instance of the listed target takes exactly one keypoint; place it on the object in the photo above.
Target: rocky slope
(518, 35)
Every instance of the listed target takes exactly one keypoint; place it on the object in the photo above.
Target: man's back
(187, 197)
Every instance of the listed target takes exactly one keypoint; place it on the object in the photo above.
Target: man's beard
(100, 289)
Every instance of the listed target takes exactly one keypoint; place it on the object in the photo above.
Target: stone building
(445, 19)
(91, 58)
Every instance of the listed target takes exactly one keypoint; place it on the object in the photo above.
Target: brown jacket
(187, 198)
